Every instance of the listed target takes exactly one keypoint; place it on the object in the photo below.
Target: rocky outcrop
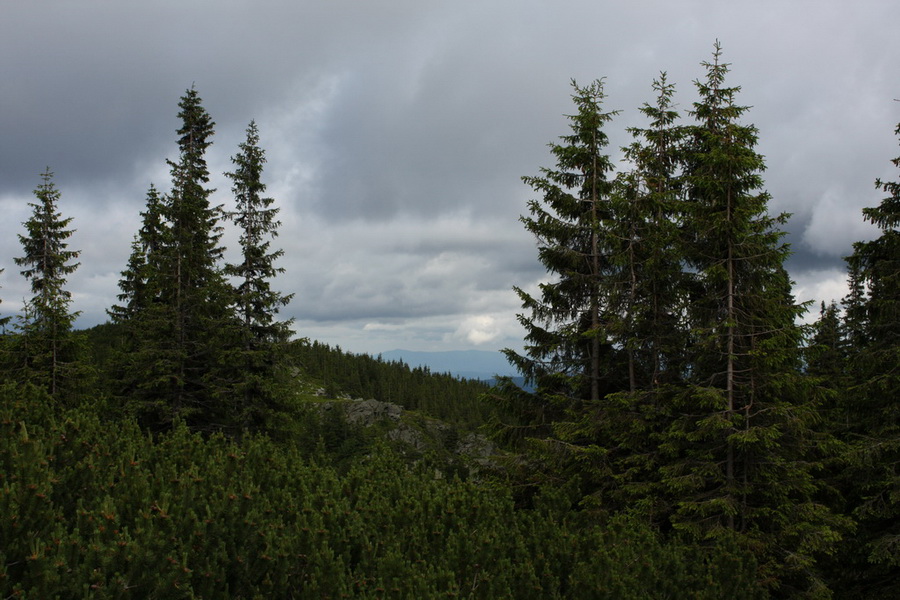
(368, 412)
(409, 436)
(417, 433)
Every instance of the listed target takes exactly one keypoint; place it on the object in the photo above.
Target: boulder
(368, 412)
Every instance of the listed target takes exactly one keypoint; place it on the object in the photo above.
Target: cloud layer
(397, 132)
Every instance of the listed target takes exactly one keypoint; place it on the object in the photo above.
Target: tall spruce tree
(148, 353)
(47, 349)
(198, 296)
(569, 358)
(261, 336)
(177, 292)
(141, 274)
(743, 447)
(615, 440)
(4, 321)
(565, 329)
(5, 345)
(648, 210)
(871, 409)
(827, 354)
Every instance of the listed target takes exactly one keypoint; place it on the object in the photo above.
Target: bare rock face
(410, 436)
(368, 412)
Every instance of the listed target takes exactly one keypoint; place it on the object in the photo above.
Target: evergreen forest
(681, 434)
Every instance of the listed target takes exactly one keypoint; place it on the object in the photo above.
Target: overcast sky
(397, 132)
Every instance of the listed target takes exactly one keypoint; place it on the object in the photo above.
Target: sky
(397, 133)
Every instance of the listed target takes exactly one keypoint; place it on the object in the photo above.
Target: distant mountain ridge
(470, 364)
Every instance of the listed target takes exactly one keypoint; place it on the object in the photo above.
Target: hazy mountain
(471, 364)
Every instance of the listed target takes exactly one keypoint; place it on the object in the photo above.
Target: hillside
(470, 364)
(94, 508)
(345, 496)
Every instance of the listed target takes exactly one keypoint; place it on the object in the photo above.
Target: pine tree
(743, 448)
(47, 346)
(568, 353)
(872, 416)
(261, 337)
(615, 439)
(176, 295)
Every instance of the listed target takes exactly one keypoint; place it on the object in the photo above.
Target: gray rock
(407, 435)
(368, 412)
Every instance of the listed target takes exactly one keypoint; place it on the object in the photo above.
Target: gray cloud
(397, 132)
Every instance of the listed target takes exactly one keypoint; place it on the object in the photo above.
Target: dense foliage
(708, 422)
(95, 511)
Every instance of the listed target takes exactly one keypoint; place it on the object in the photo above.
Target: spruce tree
(261, 336)
(567, 348)
(647, 205)
(140, 280)
(828, 347)
(175, 293)
(5, 345)
(615, 439)
(198, 296)
(4, 320)
(871, 415)
(47, 350)
(148, 354)
(743, 447)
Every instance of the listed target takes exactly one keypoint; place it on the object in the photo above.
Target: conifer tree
(198, 296)
(142, 272)
(615, 440)
(47, 347)
(4, 320)
(648, 210)
(828, 351)
(568, 354)
(261, 336)
(743, 447)
(871, 415)
(148, 353)
(5, 344)
(175, 292)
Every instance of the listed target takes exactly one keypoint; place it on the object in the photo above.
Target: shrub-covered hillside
(91, 508)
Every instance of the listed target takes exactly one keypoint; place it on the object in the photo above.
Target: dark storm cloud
(93, 86)
(429, 136)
